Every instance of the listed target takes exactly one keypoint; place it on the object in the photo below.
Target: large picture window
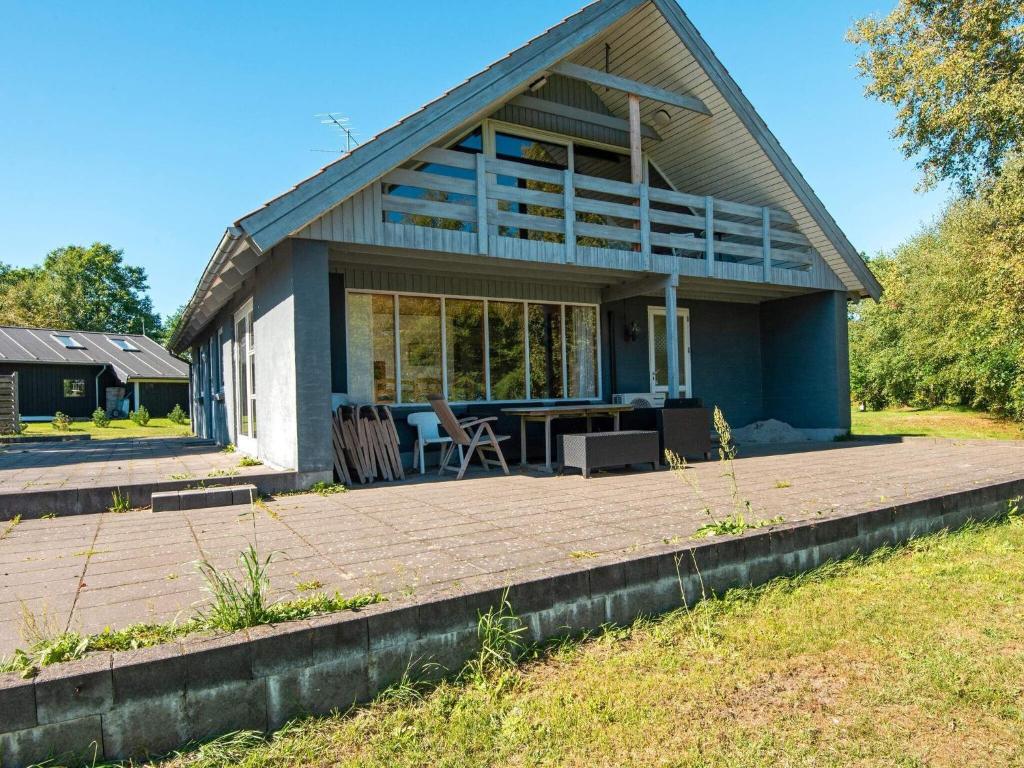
(402, 347)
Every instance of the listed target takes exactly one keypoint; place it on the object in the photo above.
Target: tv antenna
(343, 124)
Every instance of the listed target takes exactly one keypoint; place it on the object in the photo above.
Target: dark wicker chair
(685, 431)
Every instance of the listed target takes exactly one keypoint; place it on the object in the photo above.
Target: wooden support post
(645, 225)
(709, 235)
(766, 242)
(672, 336)
(636, 164)
(481, 203)
(569, 193)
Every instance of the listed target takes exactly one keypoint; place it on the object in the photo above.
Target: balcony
(469, 203)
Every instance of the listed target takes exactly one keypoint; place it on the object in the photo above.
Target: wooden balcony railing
(505, 199)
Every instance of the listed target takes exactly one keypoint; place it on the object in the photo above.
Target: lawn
(118, 428)
(913, 657)
(960, 423)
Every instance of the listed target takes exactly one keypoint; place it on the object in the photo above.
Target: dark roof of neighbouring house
(40, 345)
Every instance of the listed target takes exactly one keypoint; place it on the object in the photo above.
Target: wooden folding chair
(482, 440)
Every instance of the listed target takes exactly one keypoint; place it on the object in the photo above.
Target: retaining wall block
(223, 707)
(213, 660)
(74, 690)
(148, 672)
(72, 742)
(219, 497)
(146, 727)
(194, 498)
(165, 501)
(17, 703)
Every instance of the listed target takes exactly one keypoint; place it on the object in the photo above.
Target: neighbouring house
(75, 372)
(599, 214)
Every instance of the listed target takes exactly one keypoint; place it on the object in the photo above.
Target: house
(599, 213)
(75, 371)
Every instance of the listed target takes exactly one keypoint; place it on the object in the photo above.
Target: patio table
(547, 413)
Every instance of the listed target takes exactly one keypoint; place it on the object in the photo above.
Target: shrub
(140, 416)
(61, 422)
(100, 418)
(177, 415)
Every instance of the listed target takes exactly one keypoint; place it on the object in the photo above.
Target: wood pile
(366, 445)
(9, 417)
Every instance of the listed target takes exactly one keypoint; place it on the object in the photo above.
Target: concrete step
(201, 498)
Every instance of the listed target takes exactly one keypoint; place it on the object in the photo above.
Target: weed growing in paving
(738, 521)
(320, 488)
(309, 586)
(582, 554)
(783, 484)
(121, 502)
(222, 473)
(229, 448)
(10, 527)
(249, 461)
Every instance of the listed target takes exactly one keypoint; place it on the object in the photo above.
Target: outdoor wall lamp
(632, 331)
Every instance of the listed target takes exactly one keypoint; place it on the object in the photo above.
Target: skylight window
(124, 345)
(69, 342)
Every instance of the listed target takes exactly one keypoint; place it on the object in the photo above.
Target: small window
(124, 345)
(69, 342)
(74, 387)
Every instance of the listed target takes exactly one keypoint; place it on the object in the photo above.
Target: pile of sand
(770, 431)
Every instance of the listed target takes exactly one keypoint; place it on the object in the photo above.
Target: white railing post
(481, 203)
(709, 235)
(645, 225)
(569, 206)
(766, 242)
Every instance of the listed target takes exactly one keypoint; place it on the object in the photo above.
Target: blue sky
(153, 126)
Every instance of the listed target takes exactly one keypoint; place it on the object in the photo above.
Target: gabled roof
(149, 360)
(687, 63)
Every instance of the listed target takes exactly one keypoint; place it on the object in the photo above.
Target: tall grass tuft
(500, 632)
(237, 602)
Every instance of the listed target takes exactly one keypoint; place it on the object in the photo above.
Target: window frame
(599, 397)
(69, 393)
(130, 346)
(75, 343)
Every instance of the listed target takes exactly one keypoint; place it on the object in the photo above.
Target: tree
(90, 289)
(949, 328)
(954, 71)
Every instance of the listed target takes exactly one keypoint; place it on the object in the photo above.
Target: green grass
(960, 423)
(910, 657)
(118, 428)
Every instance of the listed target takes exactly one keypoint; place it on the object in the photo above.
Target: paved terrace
(415, 539)
(92, 463)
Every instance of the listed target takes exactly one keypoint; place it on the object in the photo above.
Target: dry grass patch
(961, 423)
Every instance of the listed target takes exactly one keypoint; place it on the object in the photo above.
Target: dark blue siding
(806, 360)
(725, 353)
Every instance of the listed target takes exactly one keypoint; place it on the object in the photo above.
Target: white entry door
(658, 350)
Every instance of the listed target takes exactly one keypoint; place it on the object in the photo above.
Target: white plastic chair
(426, 424)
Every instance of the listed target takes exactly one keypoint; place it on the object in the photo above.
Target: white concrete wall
(291, 325)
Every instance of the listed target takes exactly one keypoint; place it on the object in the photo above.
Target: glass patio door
(658, 350)
(245, 384)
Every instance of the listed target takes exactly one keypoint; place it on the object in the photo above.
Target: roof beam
(618, 83)
(583, 115)
(638, 287)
